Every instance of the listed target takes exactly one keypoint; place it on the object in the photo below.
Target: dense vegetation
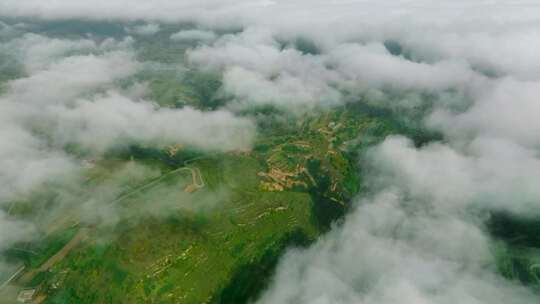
(223, 251)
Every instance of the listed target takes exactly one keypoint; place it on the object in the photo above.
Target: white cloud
(194, 35)
(286, 90)
(373, 66)
(483, 174)
(256, 70)
(507, 109)
(112, 120)
(415, 241)
(37, 52)
(28, 159)
(71, 77)
(70, 96)
(14, 231)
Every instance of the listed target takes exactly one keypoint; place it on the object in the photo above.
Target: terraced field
(169, 259)
(208, 228)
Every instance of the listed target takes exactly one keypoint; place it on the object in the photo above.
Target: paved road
(77, 238)
(194, 173)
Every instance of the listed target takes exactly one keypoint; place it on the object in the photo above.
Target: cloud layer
(69, 93)
(419, 237)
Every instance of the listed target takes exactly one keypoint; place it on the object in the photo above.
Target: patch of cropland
(188, 254)
(210, 227)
